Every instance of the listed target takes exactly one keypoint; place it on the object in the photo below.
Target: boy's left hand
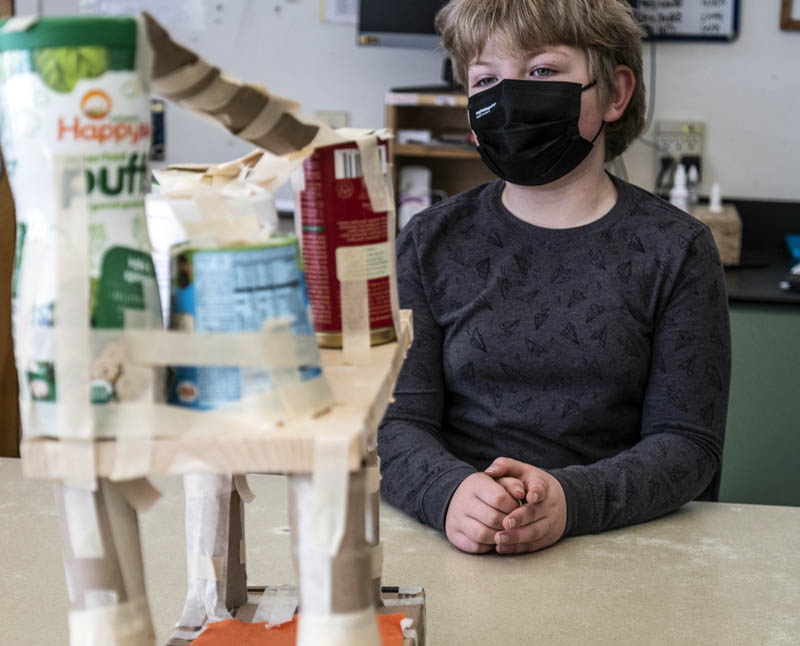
(541, 521)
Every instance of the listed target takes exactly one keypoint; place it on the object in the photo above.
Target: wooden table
(710, 574)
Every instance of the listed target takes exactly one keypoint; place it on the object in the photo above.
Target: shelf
(361, 393)
(442, 152)
(413, 99)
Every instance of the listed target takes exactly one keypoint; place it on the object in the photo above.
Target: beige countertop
(710, 574)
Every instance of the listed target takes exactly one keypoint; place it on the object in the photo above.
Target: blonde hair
(605, 29)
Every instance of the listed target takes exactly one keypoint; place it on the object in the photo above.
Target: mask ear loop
(602, 125)
(586, 87)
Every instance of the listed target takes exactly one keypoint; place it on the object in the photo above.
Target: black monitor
(399, 23)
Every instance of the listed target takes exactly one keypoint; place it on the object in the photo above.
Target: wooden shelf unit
(454, 168)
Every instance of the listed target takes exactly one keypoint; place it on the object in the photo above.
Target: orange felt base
(232, 632)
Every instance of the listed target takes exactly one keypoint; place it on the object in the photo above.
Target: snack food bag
(75, 131)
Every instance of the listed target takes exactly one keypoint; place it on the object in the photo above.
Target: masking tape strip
(126, 624)
(242, 552)
(409, 589)
(275, 347)
(354, 298)
(265, 604)
(83, 523)
(329, 482)
(132, 458)
(207, 568)
(193, 614)
(20, 23)
(373, 479)
(243, 488)
(255, 415)
(410, 601)
(267, 118)
(374, 173)
(182, 79)
(283, 607)
(376, 557)
(345, 629)
(139, 494)
(72, 307)
(216, 96)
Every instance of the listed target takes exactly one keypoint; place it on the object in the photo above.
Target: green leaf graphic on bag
(62, 67)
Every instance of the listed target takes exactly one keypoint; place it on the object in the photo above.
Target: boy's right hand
(476, 513)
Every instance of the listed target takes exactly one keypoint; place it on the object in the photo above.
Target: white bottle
(679, 195)
(715, 201)
(693, 186)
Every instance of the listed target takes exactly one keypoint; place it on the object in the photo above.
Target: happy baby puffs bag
(75, 132)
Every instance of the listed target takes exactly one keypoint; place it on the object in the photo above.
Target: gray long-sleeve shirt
(600, 353)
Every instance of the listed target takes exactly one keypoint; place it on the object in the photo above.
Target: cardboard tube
(103, 566)
(372, 522)
(331, 585)
(236, 580)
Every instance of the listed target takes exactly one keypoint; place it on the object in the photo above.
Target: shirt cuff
(436, 498)
(580, 497)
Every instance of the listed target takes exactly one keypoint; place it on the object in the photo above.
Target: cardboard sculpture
(321, 431)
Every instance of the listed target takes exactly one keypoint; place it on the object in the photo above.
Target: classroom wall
(747, 92)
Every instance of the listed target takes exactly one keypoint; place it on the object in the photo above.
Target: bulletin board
(714, 20)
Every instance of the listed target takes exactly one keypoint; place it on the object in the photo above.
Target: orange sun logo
(96, 104)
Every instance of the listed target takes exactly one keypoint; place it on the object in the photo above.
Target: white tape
(406, 625)
(283, 607)
(217, 95)
(346, 629)
(83, 523)
(19, 23)
(409, 589)
(266, 119)
(242, 552)
(243, 489)
(205, 567)
(264, 608)
(126, 624)
(329, 493)
(100, 598)
(275, 347)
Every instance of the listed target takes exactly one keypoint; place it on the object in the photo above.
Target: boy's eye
(485, 81)
(542, 72)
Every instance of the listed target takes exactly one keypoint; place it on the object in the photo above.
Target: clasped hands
(512, 507)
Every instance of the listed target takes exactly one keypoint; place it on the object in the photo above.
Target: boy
(571, 361)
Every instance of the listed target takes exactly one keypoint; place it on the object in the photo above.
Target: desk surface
(710, 574)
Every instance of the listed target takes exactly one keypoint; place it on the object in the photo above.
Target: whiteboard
(689, 19)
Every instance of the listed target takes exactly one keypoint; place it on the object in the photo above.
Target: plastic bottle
(715, 201)
(693, 186)
(679, 195)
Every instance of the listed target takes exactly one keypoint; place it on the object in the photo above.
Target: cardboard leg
(103, 567)
(236, 582)
(336, 596)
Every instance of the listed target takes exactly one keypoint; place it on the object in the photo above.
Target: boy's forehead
(497, 50)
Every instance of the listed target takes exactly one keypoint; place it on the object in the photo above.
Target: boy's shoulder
(646, 210)
(455, 208)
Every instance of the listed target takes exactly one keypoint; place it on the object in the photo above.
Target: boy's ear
(622, 91)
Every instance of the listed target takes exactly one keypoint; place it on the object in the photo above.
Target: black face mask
(528, 130)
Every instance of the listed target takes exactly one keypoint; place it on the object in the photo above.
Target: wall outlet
(334, 118)
(678, 138)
